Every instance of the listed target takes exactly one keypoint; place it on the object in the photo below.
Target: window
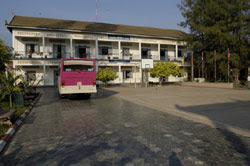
(78, 66)
(163, 54)
(179, 53)
(31, 76)
(146, 53)
(82, 51)
(32, 48)
(104, 50)
(59, 51)
(125, 51)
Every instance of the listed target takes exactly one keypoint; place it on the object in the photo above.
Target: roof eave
(68, 30)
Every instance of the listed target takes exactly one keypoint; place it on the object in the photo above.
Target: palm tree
(9, 85)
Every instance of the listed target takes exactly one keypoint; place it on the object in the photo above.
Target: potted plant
(109, 56)
(130, 56)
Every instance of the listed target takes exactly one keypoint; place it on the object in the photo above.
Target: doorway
(81, 52)
(145, 52)
(55, 77)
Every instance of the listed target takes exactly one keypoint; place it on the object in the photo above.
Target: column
(120, 74)
(71, 49)
(159, 51)
(44, 72)
(96, 48)
(119, 49)
(140, 50)
(43, 46)
(176, 51)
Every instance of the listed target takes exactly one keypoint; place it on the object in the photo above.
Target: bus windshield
(78, 66)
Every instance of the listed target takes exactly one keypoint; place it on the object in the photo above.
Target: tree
(218, 25)
(106, 75)
(9, 85)
(4, 55)
(165, 69)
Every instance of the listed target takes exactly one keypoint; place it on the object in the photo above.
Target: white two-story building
(39, 43)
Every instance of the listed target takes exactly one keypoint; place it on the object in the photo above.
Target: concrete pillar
(159, 51)
(140, 50)
(96, 49)
(119, 49)
(71, 48)
(43, 46)
(120, 74)
(44, 72)
(176, 51)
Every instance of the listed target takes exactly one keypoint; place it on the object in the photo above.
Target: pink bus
(77, 76)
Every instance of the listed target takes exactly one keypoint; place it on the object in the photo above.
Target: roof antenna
(13, 14)
(96, 10)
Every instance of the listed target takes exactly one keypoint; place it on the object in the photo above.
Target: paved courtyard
(108, 130)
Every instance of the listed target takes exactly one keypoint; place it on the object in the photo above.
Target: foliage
(3, 129)
(218, 25)
(4, 55)
(165, 69)
(9, 85)
(30, 84)
(18, 113)
(106, 75)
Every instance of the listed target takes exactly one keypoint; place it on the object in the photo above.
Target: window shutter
(54, 50)
(166, 54)
(149, 53)
(63, 51)
(88, 51)
(110, 50)
(36, 48)
(100, 51)
(77, 51)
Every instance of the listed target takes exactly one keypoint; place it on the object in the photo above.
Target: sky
(149, 13)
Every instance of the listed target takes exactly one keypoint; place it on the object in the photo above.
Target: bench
(5, 116)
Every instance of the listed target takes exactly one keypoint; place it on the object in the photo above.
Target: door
(55, 77)
(81, 51)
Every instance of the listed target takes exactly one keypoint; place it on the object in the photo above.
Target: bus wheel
(61, 96)
(88, 96)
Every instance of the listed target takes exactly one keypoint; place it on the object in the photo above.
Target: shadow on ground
(235, 113)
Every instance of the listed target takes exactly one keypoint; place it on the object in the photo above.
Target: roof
(94, 27)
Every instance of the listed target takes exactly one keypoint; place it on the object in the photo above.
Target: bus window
(78, 66)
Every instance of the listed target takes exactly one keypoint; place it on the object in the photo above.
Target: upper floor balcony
(53, 48)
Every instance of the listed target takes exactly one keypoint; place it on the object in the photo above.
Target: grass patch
(18, 113)
(3, 129)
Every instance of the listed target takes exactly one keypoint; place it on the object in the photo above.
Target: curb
(9, 134)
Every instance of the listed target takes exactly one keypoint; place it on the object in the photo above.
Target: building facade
(39, 44)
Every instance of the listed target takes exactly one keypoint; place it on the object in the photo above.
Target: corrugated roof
(94, 27)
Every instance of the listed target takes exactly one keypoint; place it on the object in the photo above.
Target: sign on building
(147, 63)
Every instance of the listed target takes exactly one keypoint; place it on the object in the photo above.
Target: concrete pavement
(108, 130)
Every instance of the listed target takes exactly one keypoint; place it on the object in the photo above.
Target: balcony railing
(49, 55)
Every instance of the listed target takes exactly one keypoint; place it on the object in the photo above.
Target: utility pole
(214, 65)
(135, 75)
(202, 59)
(192, 62)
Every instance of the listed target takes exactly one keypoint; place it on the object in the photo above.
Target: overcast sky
(151, 13)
